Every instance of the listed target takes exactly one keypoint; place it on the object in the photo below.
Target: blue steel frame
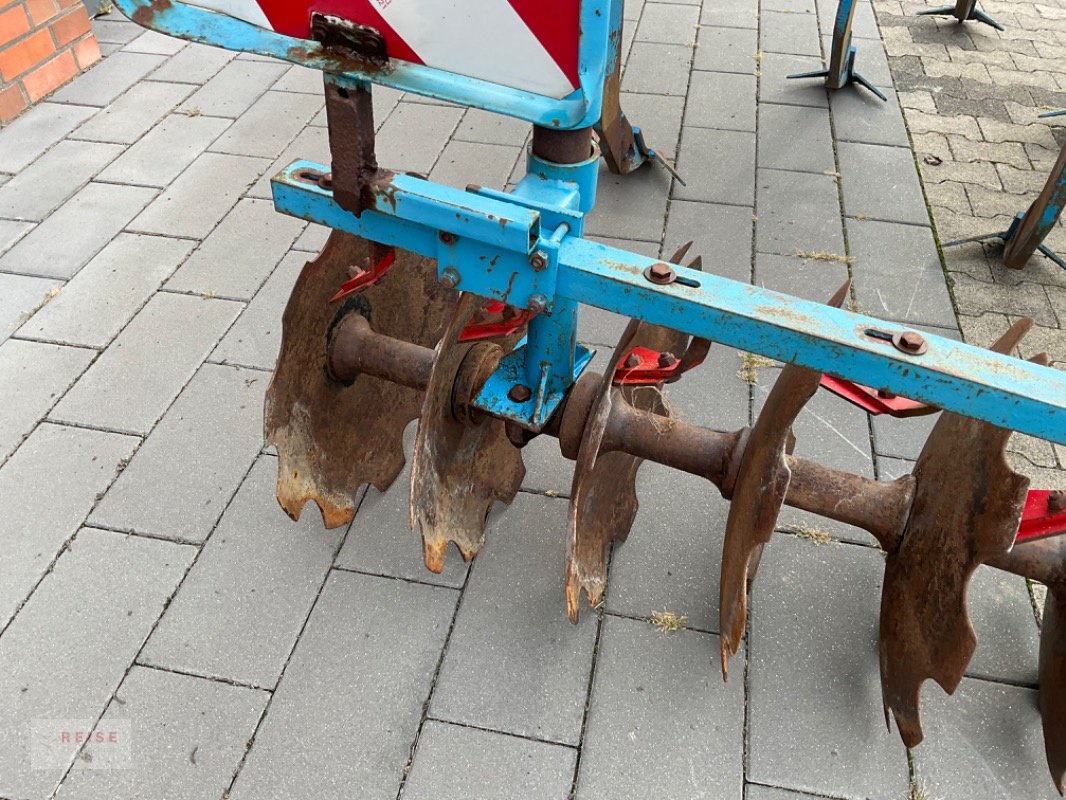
(489, 238)
(581, 109)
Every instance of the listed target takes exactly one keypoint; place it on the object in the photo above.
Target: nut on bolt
(910, 342)
(667, 360)
(539, 261)
(537, 303)
(660, 274)
(633, 361)
(1056, 501)
(448, 238)
(450, 278)
(520, 393)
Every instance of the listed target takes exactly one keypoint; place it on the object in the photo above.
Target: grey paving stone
(300, 79)
(658, 68)
(240, 610)
(201, 196)
(864, 25)
(630, 206)
(183, 476)
(791, 6)
(11, 231)
(727, 50)
(137, 378)
(1008, 639)
(32, 377)
(898, 274)
(108, 79)
(658, 117)
(189, 737)
(452, 761)
(985, 743)
(793, 33)
(465, 163)
(230, 91)
(115, 284)
(273, 121)
(225, 264)
(815, 715)
(164, 153)
(116, 29)
(798, 213)
(133, 114)
(661, 721)
(482, 126)
(795, 137)
(42, 187)
(722, 234)
(38, 519)
(255, 339)
(155, 42)
(20, 296)
(65, 654)
(721, 100)
(77, 231)
(858, 116)
(881, 183)
(775, 87)
(348, 708)
(381, 542)
(34, 132)
(718, 166)
(668, 24)
(731, 14)
(414, 136)
(540, 661)
(312, 144)
(757, 792)
(196, 63)
(810, 279)
(313, 239)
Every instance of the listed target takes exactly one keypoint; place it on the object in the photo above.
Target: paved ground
(151, 588)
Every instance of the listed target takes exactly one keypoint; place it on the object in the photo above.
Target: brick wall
(43, 44)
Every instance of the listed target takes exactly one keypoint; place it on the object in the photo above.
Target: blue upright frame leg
(841, 70)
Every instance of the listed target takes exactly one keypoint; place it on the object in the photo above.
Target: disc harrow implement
(459, 309)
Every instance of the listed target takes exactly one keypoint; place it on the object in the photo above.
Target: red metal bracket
(363, 278)
(1044, 516)
(874, 401)
(495, 320)
(644, 367)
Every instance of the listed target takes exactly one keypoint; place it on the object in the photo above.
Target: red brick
(87, 52)
(13, 23)
(25, 54)
(65, 4)
(12, 102)
(70, 26)
(41, 11)
(50, 76)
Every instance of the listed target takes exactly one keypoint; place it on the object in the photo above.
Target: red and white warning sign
(524, 44)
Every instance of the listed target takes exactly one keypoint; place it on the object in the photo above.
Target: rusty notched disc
(333, 438)
(459, 467)
(968, 503)
(759, 494)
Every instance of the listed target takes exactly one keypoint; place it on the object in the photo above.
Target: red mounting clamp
(644, 367)
(495, 320)
(362, 278)
(874, 401)
(1044, 516)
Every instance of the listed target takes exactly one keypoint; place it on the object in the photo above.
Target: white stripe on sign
(248, 10)
(483, 39)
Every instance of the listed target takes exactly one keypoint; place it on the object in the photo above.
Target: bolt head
(633, 361)
(912, 341)
(667, 360)
(1056, 501)
(539, 261)
(450, 278)
(538, 303)
(660, 273)
(520, 393)
(448, 238)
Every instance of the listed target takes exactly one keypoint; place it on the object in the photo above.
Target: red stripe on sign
(294, 19)
(558, 27)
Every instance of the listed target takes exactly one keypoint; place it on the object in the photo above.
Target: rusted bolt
(885, 394)
(1056, 501)
(661, 274)
(450, 278)
(537, 303)
(667, 360)
(539, 261)
(633, 361)
(448, 238)
(910, 342)
(520, 393)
